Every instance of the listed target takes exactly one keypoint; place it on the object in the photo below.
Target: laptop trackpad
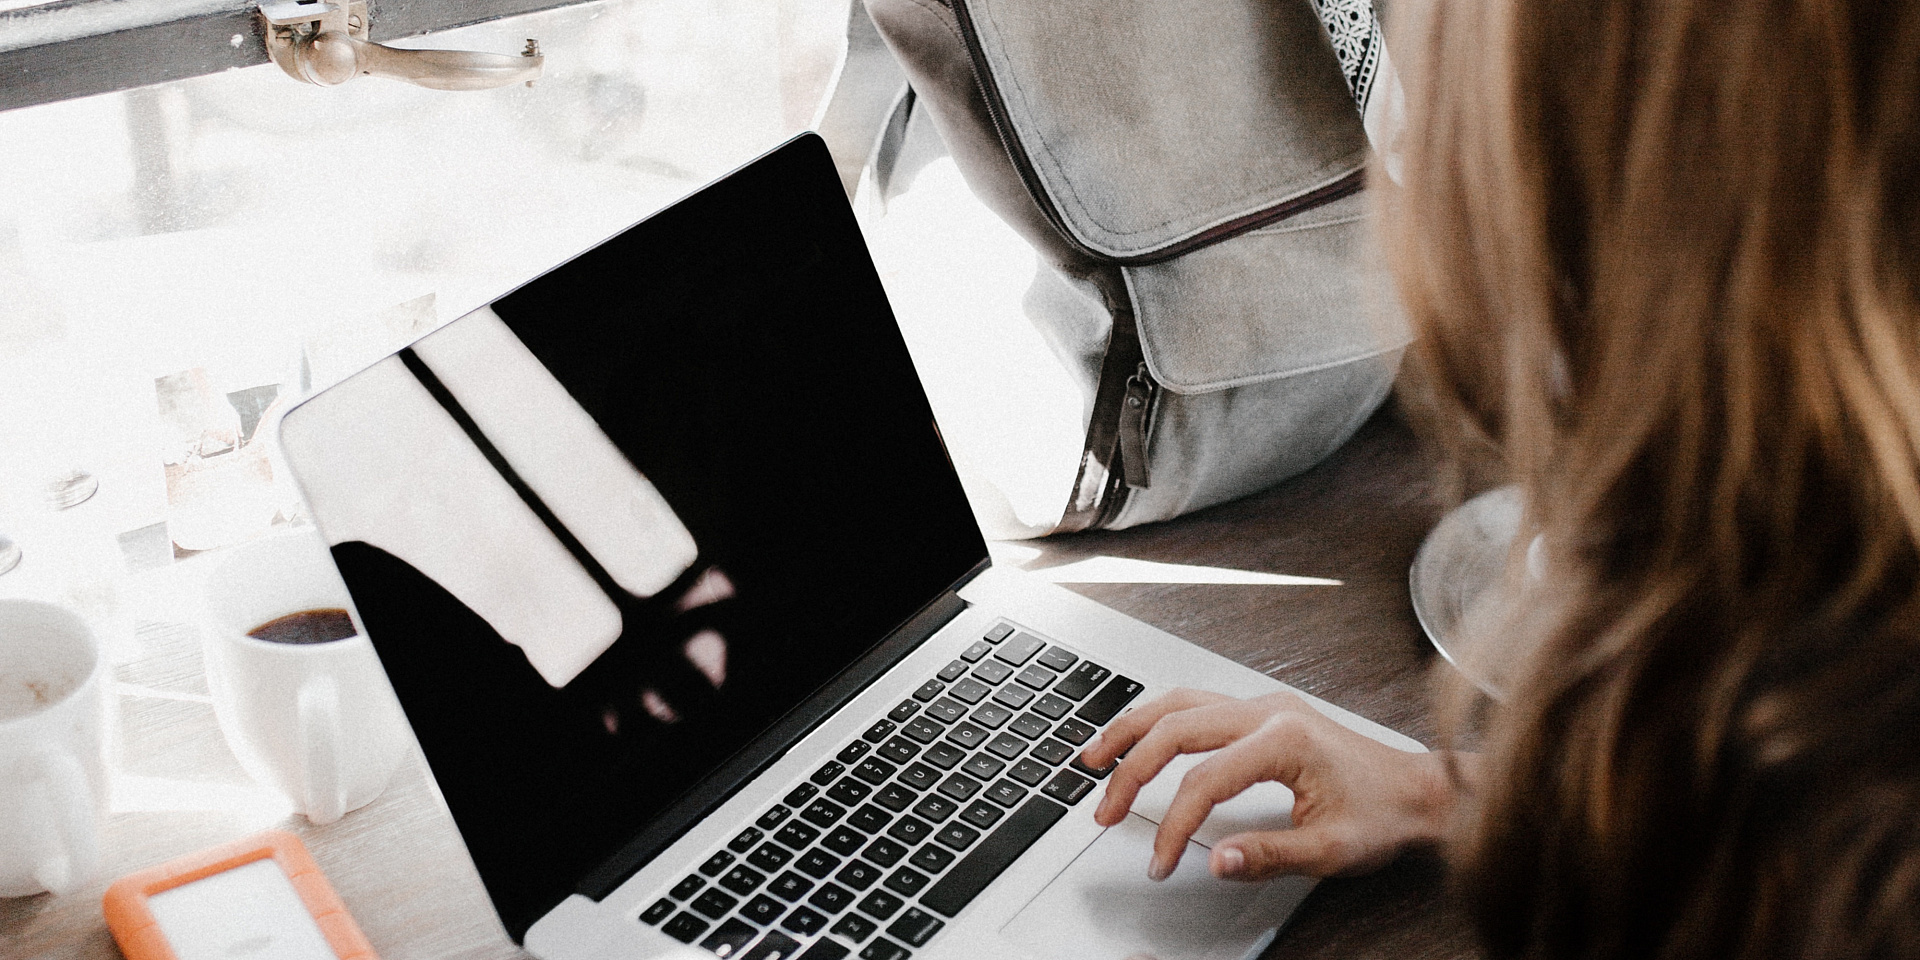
(1103, 907)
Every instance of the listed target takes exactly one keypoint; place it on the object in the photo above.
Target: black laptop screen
(738, 349)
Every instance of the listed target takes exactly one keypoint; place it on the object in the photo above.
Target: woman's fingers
(1124, 732)
(1307, 851)
(1194, 730)
(1274, 746)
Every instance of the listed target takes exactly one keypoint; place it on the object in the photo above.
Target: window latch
(325, 43)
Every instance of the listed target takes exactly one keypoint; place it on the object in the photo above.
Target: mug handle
(67, 853)
(326, 799)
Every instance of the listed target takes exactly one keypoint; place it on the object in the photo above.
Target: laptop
(689, 614)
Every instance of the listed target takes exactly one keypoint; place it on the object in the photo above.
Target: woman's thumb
(1256, 856)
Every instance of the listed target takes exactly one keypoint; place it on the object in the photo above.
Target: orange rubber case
(138, 933)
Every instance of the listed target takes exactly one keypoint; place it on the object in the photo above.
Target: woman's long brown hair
(1664, 256)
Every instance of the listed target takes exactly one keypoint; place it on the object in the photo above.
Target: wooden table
(1357, 518)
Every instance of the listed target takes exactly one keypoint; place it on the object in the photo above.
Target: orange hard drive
(143, 932)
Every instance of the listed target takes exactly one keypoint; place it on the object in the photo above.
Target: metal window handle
(324, 43)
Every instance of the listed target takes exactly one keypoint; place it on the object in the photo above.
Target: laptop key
(714, 904)
(919, 776)
(790, 886)
(923, 729)
(1052, 751)
(884, 949)
(852, 752)
(685, 927)
(935, 808)
(1067, 787)
(960, 786)
(658, 912)
(770, 857)
(915, 927)
(957, 835)
(817, 863)
(869, 819)
(686, 888)
(1052, 706)
(899, 749)
(991, 715)
(967, 735)
(1013, 696)
(905, 881)
(796, 835)
(944, 755)
(932, 858)
(894, 797)
(854, 927)
(772, 817)
(1035, 676)
(1106, 704)
(1030, 772)
(946, 710)
(1000, 632)
(1006, 746)
(874, 770)
(992, 856)
(1020, 649)
(828, 772)
(1084, 770)
(774, 946)
(745, 841)
(1007, 793)
(880, 730)
(973, 653)
(969, 690)
(832, 898)
(823, 813)
(1074, 731)
(991, 672)
(884, 851)
(729, 938)
(859, 874)
(742, 880)
(927, 691)
(844, 841)
(803, 921)
(952, 671)
(763, 909)
(1057, 659)
(880, 904)
(910, 830)
(824, 949)
(1030, 725)
(1082, 681)
(717, 864)
(799, 795)
(907, 708)
(850, 791)
(986, 766)
(982, 814)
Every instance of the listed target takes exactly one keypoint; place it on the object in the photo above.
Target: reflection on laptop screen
(791, 506)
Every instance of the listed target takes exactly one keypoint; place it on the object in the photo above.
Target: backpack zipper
(1136, 415)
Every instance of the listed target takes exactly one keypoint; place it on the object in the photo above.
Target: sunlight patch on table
(1128, 570)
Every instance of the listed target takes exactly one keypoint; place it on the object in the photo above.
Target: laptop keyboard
(883, 844)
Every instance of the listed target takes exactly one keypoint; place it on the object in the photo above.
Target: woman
(1665, 259)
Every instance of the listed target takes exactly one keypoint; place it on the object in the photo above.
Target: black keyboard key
(824, 949)
(1020, 649)
(790, 886)
(852, 752)
(1052, 706)
(850, 791)
(907, 708)
(982, 814)
(817, 863)
(832, 898)
(1067, 787)
(985, 766)
(923, 729)
(824, 813)
(1000, 632)
(873, 770)
(1084, 770)
(880, 904)
(1052, 751)
(952, 671)
(774, 946)
(915, 927)
(1030, 725)
(970, 690)
(935, 808)
(796, 835)
(1073, 731)
(769, 857)
(905, 881)
(899, 749)
(991, 715)
(974, 653)
(730, 938)
(1082, 681)
(894, 797)
(932, 858)
(803, 921)
(927, 691)
(799, 795)
(717, 864)
(763, 909)
(828, 772)
(658, 912)
(686, 888)
(991, 672)
(1006, 746)
(1030, 772)
(844, 841)
(919, 776)
(884, 851)
(910, 830)
(880, 730)
(685, 927)
(869, 819)
(1057, 659)
(967, 735)
(742, 880)
(772, 818)
(946, 710)
(992, 856)
(957, 835)
(859, 874)
(854, 927)
(960, 786)
(714, 904)
(1007, 793)
(945, 755)
(1103, 706)
(1013, 697)
(884, 949)
(1035, 677)
(745, 841)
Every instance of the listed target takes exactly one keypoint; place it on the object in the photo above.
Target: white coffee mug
(53, 773)
(315, 720)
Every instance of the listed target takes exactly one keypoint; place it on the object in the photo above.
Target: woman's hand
(1357, 803)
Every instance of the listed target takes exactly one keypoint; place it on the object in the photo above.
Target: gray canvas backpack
(1192, 174)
